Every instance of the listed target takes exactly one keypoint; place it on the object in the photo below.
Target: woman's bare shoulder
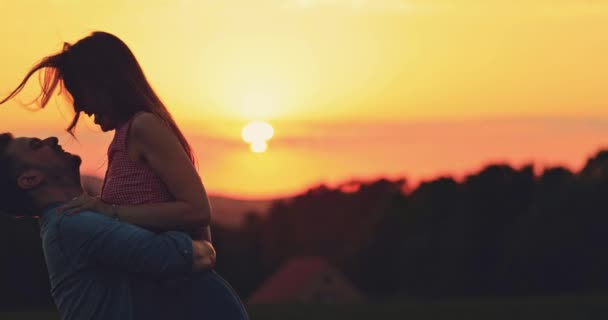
(146, 124)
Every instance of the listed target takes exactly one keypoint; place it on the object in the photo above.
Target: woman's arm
(153, 142)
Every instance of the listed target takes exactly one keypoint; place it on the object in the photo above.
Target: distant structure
(306, 280)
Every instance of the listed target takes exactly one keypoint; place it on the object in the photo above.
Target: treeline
(502, 231)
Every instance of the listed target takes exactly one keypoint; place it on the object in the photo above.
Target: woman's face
(92, 103)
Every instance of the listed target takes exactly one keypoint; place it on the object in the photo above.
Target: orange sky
(354, 88)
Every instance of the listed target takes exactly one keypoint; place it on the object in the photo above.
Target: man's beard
(67, 174)
(73, 173)
(76, 161)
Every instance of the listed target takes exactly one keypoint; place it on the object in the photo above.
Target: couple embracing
(142, 250)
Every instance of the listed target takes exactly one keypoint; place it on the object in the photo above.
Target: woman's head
(104, 79)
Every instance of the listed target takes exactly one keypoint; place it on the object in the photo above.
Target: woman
(151, 180)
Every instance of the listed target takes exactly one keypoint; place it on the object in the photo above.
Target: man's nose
(53, 141)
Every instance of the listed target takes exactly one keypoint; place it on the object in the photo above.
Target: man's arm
(106, 241)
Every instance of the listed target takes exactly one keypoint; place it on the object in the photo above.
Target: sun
(257, 134)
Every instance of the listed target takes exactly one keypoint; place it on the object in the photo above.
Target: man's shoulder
(60, 231)
(84, 222)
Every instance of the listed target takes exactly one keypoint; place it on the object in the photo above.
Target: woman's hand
(84, 202)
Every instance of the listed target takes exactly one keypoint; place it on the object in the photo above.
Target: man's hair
(14, 201)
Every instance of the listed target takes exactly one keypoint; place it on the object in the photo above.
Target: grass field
(575, 308)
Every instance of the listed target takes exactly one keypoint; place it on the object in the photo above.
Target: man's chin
(76, 160)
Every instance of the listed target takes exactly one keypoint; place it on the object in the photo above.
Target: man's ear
(30, 178)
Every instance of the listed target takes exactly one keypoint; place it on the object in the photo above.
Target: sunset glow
(257, 134)
(353, 89)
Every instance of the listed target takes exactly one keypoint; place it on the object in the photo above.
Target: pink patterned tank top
(128, 182)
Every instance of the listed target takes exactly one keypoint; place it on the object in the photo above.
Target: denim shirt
(91, 259)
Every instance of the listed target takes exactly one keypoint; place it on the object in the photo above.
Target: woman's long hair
(103, 62)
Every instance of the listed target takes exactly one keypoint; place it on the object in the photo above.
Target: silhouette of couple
(142, 250)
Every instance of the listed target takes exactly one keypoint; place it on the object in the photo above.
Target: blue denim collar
(50, 209)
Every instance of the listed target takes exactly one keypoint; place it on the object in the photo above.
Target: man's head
(30, 168)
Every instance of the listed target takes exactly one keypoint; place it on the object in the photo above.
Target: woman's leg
(214, 298)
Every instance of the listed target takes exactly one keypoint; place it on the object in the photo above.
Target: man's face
(45, 156)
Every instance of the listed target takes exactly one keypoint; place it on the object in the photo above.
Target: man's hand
(203, 255)
(85, 202)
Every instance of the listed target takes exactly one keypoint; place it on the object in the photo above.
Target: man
(91, 258)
